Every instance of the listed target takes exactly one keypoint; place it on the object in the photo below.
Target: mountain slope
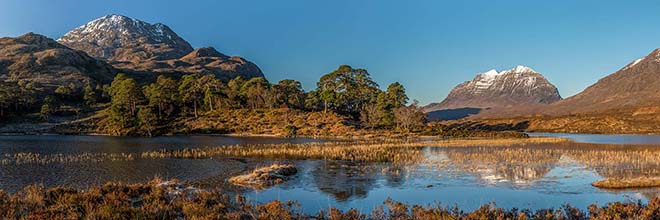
(637, 85)
(151, 49)
(48, 64)
(203, 61)
(492, 89)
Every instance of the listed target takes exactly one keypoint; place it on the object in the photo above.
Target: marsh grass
(397, 152)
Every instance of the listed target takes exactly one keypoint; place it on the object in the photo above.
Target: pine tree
(147, 120)
(191, 91)
(89, 95)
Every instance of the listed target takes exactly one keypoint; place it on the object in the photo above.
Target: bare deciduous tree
(409, 117)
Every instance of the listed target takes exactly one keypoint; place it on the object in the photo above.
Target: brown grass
(618, 183)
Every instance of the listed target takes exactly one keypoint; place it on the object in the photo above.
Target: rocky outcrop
(46, 64)
(493, 89)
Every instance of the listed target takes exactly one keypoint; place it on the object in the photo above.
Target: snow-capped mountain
(118, 38)
(134, 45)
(519, 85)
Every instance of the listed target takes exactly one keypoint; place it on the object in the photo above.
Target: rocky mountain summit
(492, 89)
(133, 45)
(38, 60)
(118, 38)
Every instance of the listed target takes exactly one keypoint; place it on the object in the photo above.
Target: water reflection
(344, 180)
(539, 176)
(533, 176)
(519, 166)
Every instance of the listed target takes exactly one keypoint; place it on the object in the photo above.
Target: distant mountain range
(520, 85)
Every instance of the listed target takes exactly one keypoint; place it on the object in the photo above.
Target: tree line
(347, 91)
(132, 107)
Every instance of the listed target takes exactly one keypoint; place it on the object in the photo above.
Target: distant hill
(518, 86)
(134, 45)
(38, 60)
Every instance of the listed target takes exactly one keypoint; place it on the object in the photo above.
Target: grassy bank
(172, 200)
(624, 183)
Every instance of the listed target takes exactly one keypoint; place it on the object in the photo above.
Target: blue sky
(428, 46)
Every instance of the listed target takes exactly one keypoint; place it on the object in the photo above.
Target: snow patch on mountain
(124, 25)
(633, 63)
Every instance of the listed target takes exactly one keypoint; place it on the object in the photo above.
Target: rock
(265, 176)
(176, 189)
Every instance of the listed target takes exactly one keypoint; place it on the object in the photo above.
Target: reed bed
(361, 152)
(35, 158)
(496, 142)
(397, 152)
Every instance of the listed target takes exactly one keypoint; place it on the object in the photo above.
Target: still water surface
(607, 138)
(542, 176)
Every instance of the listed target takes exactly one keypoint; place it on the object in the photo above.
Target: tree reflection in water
(345, 180)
